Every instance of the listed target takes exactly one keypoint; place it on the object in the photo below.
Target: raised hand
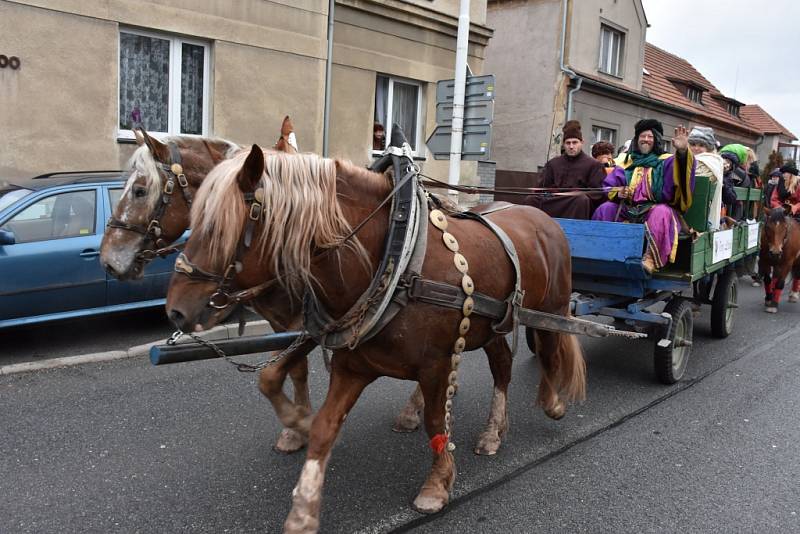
(680, 140)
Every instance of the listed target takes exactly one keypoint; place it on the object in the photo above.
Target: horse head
(153, 210)
(259, 221)
(776, 233)
(218, 248)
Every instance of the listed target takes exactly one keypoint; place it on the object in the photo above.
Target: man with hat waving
(567, 175)
(653, 188)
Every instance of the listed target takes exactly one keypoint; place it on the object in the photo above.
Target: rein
(522, 191)
(152, 232)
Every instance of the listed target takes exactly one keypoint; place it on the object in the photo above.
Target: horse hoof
(429, 504)
(794, 297)
(556, 412)
(488, 444)
(756, 284)
(290, 441)
(405, 424)
(770, 309)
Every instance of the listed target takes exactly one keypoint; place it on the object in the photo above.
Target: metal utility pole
(462, 44)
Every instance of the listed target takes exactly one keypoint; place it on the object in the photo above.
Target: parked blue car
(50, 232)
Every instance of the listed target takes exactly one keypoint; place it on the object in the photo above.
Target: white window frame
(694, 94)
(612, 31)
(733, 109)
(387, 123)
(597, 134)
(174, 102)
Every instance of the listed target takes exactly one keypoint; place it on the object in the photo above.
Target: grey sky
(718, 37)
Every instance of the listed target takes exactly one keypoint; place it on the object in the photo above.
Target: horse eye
(139, 192)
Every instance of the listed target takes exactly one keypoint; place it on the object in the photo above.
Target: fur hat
(702, 135)
(572, 130)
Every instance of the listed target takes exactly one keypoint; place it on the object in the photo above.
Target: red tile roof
(664, 70)
(755, 115)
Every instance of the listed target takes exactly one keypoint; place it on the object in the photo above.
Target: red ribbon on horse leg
(438, 443)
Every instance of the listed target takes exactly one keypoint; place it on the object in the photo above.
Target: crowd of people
(646, 184)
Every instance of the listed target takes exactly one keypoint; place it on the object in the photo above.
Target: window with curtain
(612, 47)
(163, 84)
(396, 101)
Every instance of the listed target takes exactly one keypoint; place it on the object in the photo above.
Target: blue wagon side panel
(607, 259)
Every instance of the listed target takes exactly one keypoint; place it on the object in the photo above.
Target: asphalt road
(125, 447)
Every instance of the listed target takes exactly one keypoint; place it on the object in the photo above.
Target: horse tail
(563, 365)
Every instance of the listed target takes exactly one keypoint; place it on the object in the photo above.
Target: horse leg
(778, 283)
(794, 296)
(291, 440)
(293, 415)
(408, 419)
(563, 369)
(500, 360)
(435, 492)
(345, 388)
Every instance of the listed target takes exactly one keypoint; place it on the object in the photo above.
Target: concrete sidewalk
(229, 331)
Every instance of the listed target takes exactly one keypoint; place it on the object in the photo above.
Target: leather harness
(152, 232)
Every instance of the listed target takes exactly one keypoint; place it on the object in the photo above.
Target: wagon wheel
(670, 361)
(724, 304)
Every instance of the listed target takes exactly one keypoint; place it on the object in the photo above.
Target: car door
(155, 281)
(53, 265)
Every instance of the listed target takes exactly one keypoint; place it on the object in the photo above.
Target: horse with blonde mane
(308, 236)
(152, 214)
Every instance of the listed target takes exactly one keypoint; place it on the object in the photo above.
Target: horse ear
(250, 174)
(139, 137)
(159, 150)
(288, 137)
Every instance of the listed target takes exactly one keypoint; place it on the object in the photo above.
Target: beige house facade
(90, 70)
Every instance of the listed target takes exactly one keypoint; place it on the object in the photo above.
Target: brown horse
(129, 244)
(779, 256)
(308, 205)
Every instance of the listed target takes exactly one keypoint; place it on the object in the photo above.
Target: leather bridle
(225, 296)
(173, 172)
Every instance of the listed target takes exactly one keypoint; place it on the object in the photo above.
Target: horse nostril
(176, 317)
(109, 269)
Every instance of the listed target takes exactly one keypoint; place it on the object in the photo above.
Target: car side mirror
(7, 237)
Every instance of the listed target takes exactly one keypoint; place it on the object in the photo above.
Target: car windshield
(11, 195)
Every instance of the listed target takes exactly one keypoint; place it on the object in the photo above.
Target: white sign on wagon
(752, 233)
(723, 245)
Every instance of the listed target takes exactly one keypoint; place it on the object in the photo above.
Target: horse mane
(301, 213)
(144, 164)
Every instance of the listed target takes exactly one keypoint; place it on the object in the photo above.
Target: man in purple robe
(651, 187)
(566, 176)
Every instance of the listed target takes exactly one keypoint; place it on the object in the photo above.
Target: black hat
(754, 170)
(730, 156)
(658, 135)
(648, 124)
(790, 167)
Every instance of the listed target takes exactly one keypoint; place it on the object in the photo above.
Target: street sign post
(478, 114)
(476, 142)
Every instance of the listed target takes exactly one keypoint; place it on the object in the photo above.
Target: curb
(228, 331)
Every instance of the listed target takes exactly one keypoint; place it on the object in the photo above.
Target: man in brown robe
(573, 170)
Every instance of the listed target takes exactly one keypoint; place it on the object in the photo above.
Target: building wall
(524, 58)
(584, 37)
(267, 61)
